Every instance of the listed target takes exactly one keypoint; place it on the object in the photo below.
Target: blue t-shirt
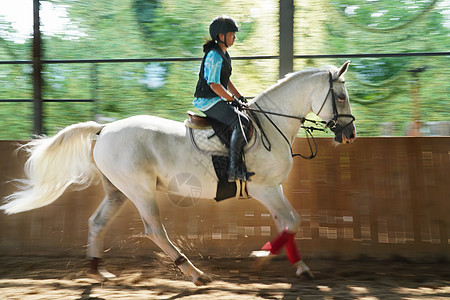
(213, 66)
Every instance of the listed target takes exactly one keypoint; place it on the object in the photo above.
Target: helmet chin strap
(224, 40)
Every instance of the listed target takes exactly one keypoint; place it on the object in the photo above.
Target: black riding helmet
(223, 24)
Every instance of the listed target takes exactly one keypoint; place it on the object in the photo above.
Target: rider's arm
(221, 91)
(213, 66)
(233, 89)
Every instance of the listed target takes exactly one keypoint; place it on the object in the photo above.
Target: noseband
(332, 124)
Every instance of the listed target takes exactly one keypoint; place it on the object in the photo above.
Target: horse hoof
(303, 270)
(262, 258)
(100, 274)
(260, 254)
(202, 280)
(307, 274)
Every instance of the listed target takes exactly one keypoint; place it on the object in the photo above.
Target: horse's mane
(309, 70)
(295, 75)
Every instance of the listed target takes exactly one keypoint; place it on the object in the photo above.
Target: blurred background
(107, 60)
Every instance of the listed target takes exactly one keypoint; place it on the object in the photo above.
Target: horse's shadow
(86, 295)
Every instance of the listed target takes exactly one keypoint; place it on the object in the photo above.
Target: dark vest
(203, 90)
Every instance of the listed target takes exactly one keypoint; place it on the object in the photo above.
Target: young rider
(214, 86)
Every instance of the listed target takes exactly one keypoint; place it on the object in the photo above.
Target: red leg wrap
(276, 244)
(267, 246)
(292, 251)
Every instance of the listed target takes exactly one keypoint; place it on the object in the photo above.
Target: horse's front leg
(287, 220)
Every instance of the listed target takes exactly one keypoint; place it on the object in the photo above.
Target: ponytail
(208, 45)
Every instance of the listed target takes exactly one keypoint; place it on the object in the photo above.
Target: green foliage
(380, 88)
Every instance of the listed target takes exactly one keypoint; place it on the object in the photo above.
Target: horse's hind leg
(98, 224)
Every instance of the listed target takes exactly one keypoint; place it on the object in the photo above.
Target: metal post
(415, 101)
(286, 21)
(94, 89)
(37, 69)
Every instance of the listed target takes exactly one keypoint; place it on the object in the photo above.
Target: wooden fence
(377, 197)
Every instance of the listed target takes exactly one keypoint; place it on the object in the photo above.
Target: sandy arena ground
(155, 277)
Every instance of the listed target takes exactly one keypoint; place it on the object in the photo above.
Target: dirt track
(155, 277)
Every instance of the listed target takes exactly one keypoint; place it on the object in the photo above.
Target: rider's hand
(242, 99)
(237, 103)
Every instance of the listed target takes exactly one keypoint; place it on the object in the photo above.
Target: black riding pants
(227, 114)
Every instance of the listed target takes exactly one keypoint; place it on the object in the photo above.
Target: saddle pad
(206, 141)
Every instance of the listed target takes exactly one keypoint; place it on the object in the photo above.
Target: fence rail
(186, 59)
(256, 57)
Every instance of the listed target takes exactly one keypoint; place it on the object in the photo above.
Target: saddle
(195, 121)
(211, 137)
(198, 122)
(203, 136)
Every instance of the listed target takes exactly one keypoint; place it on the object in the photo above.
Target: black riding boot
(237, 169)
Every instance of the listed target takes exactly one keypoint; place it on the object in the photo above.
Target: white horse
(138, 155)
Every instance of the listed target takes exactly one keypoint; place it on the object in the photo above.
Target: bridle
(332, 124)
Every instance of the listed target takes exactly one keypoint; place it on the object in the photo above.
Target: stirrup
(240, 176)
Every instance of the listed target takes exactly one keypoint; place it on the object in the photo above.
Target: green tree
(381, 86)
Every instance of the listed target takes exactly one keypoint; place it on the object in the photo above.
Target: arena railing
(96, 62)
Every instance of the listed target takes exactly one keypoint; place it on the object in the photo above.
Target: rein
(308, 130)
(332, 124)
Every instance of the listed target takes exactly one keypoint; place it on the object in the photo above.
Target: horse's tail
(54, 164)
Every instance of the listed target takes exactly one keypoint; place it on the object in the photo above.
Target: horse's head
(335, 108)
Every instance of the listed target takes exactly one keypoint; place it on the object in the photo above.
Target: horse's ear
(342, 70)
